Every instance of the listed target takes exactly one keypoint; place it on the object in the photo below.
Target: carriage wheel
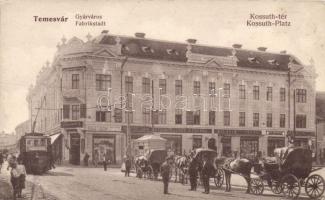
(290, 186)
(219, 178)
(276, 187)
(257, 186)
(315, 186)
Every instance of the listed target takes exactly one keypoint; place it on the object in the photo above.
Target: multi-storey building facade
(234, 100)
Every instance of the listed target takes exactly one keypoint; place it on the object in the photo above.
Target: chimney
(237, 46)
(140, 35)
(283, 52)
(261, 48)
(191, 41)
(105, 32)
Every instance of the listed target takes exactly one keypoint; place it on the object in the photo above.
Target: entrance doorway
(75, 149)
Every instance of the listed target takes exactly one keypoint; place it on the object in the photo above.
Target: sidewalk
(5, 188)
(31, 192)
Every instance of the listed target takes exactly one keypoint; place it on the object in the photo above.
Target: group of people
(206, 169)
(17, 173)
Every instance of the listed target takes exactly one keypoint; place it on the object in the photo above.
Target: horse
(181, 166)
(141, 166)
(241, 166)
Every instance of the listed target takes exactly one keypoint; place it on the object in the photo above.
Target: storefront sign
(229, 132)
(301, 133)
(71, 124)
(145, 129)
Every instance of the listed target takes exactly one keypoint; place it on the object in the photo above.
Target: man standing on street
(206, 172)
(127, 166)
(165, 172)
(1, 161)
(193, 173)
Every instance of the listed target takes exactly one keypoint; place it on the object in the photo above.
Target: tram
(35, 152)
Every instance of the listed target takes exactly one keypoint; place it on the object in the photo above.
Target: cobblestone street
(78, 183)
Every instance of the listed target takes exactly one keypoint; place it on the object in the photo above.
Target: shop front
(248, 147)
(273, 143)
(226, 146)
(104, 145)
(174, 143)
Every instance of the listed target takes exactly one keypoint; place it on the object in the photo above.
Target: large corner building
(240, 102)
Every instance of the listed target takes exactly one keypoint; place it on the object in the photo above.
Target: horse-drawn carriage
(150, 153)
(290, 170)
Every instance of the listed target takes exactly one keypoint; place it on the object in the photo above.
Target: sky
(26, 45)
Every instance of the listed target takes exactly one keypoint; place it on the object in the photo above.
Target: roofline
(205, 45)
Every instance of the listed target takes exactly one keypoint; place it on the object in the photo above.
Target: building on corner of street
(235, 100)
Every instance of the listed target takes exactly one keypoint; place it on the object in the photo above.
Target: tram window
(42, 142)
(140, 147)
(29, 142)
(35, 142)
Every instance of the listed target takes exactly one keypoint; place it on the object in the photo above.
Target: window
(178, 87)
(301, 121)
(162, 116)
(129, 84)
(212, 88)
(103, 116)
(269, 94)
(178, 116)
(196, 88)
(242, 92)
(256, 119)
(162, 86)
(146, 85)
(226, 90)
(103, 82)
(282, 94)
(155, 116)
(83, 111)
(128, 116)
(301, 95)
(282, 120)
(189, 118)
(193, 118)
(269, 120)
(196, 117)
(197, 141)
(212, 117)
(226, 118)
(256, 92)
(118, 115)
(146, 115)
(75, 81)
(241, 118)
(66, 111)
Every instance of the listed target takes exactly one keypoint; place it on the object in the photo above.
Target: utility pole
(294, 115)
(152, 107)
(127, 128)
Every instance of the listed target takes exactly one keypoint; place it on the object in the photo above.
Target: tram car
(35, 152)
(288, 172)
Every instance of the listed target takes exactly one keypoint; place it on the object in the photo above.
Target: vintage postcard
(162, 99)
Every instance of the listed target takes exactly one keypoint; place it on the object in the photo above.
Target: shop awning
(55, 137)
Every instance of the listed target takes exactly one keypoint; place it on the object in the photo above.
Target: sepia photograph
(162, 99)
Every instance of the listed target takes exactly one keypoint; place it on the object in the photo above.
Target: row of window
(160, 117)
(103, 82)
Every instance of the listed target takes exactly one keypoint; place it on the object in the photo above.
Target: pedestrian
(165, 172)
(193, 173)
(206, 172)
(96, 158)
(86, 158)
(14, 179)
(1, 161)
(22, 176)
(11, 159)
(127, 166)
(106, 160)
